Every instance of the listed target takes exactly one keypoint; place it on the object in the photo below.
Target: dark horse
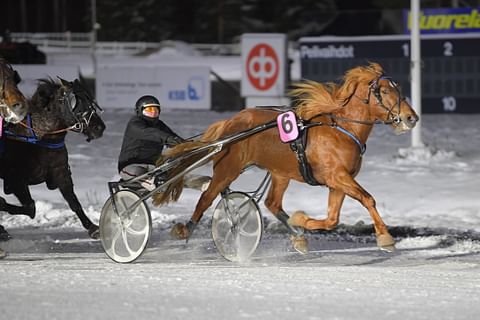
(35, 151)
(340, 119)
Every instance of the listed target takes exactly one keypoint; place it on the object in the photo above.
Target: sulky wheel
(237, 226)
(125, 233)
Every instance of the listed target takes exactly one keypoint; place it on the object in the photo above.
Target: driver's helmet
(148, 106)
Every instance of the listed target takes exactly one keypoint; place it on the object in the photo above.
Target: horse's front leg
(68, 194)
(335, 201)
(347, 184)
(274, 203)
(344, 183)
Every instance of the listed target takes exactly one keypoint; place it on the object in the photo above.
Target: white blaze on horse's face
(407, 118)
(13, 105)
(10, 116)
(400, 112)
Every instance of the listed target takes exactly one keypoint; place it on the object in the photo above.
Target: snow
(428, 197)
(54, 271)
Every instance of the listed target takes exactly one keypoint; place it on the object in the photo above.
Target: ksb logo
(194, 92)
(262, 66)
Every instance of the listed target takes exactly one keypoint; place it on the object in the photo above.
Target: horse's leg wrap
(297, 236)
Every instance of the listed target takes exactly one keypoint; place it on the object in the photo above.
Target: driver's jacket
(144, 140)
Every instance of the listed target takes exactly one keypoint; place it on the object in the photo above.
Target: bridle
(374, 87)
(82, 117)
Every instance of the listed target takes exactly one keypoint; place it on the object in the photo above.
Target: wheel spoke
(125, 242)
(115, 238)
(134, 232)
(248, 234)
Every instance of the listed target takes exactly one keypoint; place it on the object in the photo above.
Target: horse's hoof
(386, 242)
(300, 243)
(179, 231)
(298, 219)
(3, 253)
(31, 210)
(94, 232)
(4, 235)
(388, 248)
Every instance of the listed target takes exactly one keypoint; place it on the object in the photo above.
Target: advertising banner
(177, 87)
(447, 20)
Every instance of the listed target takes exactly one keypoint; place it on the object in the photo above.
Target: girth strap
(298, 146)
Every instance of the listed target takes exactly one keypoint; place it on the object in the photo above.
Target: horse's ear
(16, 77)
(65, 83)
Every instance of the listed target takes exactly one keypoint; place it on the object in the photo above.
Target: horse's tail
(215, 131)
(174, 190)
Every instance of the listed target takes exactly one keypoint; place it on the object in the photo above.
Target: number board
(450, 65)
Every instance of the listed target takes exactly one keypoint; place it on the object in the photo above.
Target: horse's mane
(313, 98)
(46, 90)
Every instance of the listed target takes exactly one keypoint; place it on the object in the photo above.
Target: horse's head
(13, 105)
(369, 86)
(390, 106)
(83, 108)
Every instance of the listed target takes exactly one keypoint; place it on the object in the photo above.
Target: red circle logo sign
(262, 66)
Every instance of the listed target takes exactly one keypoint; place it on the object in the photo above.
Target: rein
(41, 132)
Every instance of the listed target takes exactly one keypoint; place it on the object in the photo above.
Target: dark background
(211, 21)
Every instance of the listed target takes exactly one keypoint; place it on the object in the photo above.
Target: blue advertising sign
(448, 20)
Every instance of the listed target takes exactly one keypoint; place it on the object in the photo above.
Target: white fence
(83, 42)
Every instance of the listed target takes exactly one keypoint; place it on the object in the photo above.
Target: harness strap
(32, 137)
(298, 146)
(361, 147)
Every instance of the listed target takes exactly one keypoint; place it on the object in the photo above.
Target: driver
(143, 142)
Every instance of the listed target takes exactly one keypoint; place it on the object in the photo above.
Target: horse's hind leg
(224, 173)
(22, 192)
(274, 203)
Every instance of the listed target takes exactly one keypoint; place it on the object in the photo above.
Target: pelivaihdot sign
(263, 65)
(450, 65)
(177, 87)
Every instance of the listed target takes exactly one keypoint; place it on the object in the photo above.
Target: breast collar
(32, 137)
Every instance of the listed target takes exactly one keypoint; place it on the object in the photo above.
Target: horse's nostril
(412, 119)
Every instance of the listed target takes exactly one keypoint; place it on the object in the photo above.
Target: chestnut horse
(13, 105)
(340, 117)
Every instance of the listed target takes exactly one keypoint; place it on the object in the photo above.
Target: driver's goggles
(151, 111)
